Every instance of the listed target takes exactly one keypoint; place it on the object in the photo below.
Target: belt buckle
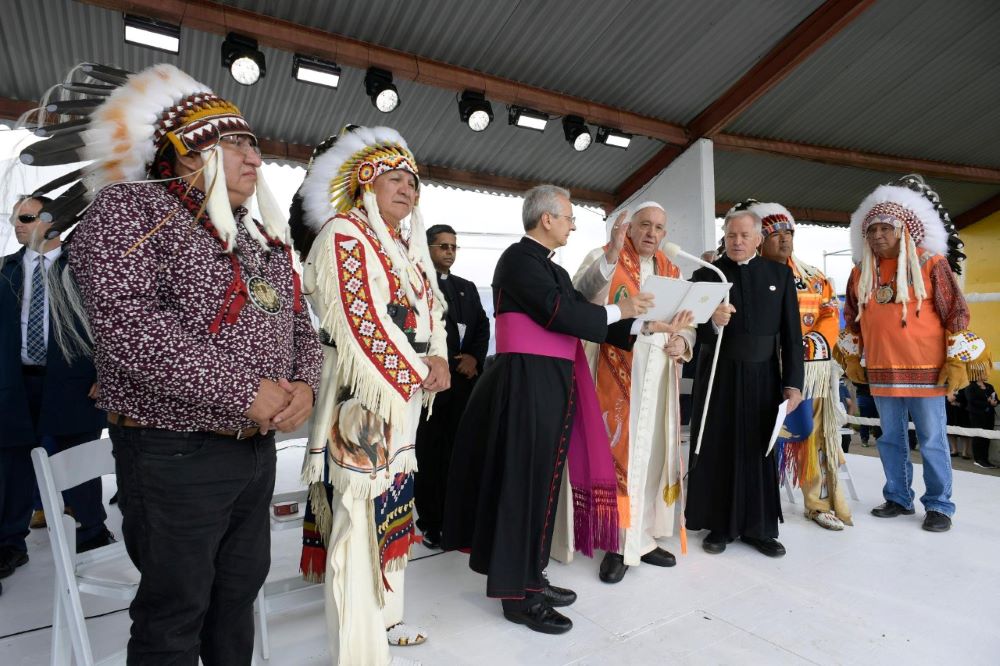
(239, 434)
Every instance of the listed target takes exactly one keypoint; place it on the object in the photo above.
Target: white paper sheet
(672, 295)
(780, 421)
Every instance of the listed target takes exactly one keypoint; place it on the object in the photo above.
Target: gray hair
(732, 215)
(539, 200)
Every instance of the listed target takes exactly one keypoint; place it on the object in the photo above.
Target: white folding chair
(844, 473)
(789, 491)
(284, 593)
(105, 572)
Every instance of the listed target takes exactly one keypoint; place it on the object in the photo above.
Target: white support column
(686, 189)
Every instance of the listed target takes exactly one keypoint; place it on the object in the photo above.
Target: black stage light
(613, 137)
(243, 59)
(577, 133)
(314, 70)
(379, 86)
(152, 34)
(475, 111)
(527, 118)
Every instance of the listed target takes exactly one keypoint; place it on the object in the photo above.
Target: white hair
(539, 200)
(732, 215)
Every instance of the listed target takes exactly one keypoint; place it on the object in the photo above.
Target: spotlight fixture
(475, 111)
(243, 59)
(157, 35)
(379, 86)
(528, 118)
(314, 70)
(612, 137)
(577, 133)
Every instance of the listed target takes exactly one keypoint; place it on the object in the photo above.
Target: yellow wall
(982, 275)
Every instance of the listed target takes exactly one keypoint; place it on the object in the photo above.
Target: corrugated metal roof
(934, 67)
(913, 78)
(813, 185)
(662, 58)
(280, 107)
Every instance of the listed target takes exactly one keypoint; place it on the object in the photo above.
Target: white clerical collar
(551, 252)
(31, 256)
(746, 261)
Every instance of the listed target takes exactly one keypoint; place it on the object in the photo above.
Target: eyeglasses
(445, 246)
(241, 142)
(571, 218)
(26, 218)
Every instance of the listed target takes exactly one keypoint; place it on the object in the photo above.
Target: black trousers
(195, 523)
(18, 486)
(981, 445)
(434, 445)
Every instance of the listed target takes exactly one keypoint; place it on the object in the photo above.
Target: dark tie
(36, 315)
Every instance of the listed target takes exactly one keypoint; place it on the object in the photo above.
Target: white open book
(672, 295)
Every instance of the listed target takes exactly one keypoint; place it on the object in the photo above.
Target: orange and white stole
(614, 369)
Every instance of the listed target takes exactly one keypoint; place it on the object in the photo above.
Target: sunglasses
(444, 246)
(26, 218)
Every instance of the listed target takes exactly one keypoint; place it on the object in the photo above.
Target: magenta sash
(591, 467)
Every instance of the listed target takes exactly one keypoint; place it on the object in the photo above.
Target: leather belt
(129, 422)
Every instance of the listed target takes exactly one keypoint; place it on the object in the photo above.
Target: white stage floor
(881, 592)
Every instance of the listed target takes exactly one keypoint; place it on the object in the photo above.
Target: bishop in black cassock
(732, 485)
(510, 449)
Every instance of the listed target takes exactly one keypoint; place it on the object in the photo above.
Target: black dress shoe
(715, 543)
(432, 539)
(935, 521)
(659, 558)
(613, 568)
(557, 597)
(540, 617)
(10, 559)
(770, 547)
(890, 509)
(105, 538)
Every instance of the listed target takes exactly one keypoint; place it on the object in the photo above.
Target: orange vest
(903, 361)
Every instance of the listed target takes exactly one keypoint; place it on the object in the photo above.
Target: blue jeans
(929, 417)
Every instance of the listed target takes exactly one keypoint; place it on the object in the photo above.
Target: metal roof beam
(808, 36)
(805, 39)
(296, 152)
(800, 214)
(12, 109)
(978, 212)
(285, 35)
(859, 159)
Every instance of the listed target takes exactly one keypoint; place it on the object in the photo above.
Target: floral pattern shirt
(153, 280)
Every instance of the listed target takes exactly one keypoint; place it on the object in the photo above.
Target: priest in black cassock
(529, 410)
(732, 485)
(468, 330)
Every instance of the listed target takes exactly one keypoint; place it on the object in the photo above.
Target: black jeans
(195, 523)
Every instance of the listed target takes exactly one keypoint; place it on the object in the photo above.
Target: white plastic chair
(105, 572)
(284, 593)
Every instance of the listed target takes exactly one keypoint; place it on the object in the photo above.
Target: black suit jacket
(65, 407)
(464, 307)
